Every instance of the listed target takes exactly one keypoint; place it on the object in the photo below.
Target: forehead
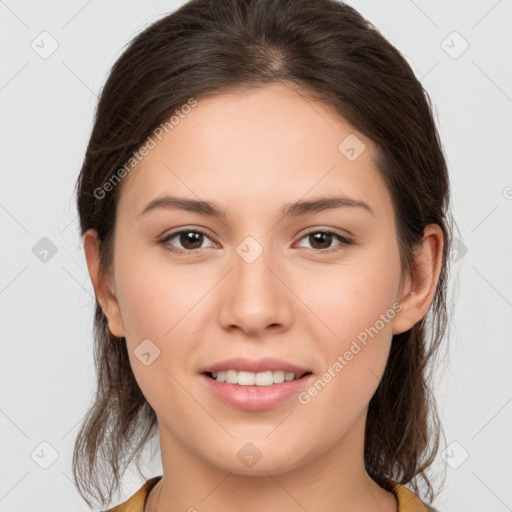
(270, 145)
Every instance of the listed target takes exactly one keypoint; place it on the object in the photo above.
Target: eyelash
(344, 241)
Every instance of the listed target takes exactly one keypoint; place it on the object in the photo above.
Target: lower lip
(256, 398)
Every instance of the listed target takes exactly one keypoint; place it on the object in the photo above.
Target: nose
(254, 296)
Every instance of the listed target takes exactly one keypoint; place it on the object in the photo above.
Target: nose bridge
(254, 294)
(252, 261)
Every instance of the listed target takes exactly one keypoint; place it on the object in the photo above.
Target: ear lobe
(101, 283)
(423, 282)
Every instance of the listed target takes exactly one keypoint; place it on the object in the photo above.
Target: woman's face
(259, 284)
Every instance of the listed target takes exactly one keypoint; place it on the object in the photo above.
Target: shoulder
(138, 500)
(408, 501)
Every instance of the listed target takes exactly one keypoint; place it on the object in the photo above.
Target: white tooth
(243, 378)
(246, 378)
(278, 376)
(231, 376)
(264, 378)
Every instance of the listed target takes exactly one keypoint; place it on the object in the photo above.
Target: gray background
(46, 299)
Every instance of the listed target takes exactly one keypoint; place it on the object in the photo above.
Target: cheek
(153, 305)
(352, 297)
(152, 296)
(157, 348)
(357, 304)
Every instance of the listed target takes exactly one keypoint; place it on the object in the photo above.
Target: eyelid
(325, 229)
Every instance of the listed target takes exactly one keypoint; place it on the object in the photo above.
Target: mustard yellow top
(407, 500)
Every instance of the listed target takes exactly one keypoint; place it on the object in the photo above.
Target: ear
(421, 285)
(102, 287)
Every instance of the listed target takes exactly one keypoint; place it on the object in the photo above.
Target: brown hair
(330, 53)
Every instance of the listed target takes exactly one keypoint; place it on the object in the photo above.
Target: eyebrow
(295, 209)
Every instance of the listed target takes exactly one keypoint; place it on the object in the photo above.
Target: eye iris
(191, 237)
(317, 237)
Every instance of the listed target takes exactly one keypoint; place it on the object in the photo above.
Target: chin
(249, 460)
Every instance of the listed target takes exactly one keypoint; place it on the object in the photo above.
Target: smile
(243, 378)
(255, 391)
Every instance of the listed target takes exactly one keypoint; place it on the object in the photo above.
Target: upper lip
(255, 365)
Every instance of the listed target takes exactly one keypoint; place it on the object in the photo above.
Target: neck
(334, 480)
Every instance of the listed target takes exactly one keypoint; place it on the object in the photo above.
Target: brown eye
(321, 240)
(190, 240)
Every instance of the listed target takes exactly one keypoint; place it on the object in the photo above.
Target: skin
(252, 153)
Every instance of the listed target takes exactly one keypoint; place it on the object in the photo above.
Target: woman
(264, 205)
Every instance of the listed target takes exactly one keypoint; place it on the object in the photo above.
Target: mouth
(265, 378)
(255, 391)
